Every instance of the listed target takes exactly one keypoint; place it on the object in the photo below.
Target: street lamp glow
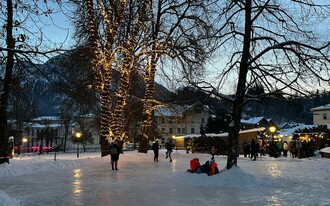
(78, 135)
(24, 140)
(272, 129)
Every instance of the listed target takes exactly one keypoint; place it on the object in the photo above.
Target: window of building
(192, 130)
(163, 129)
(179, 130)
(183, 130)
(170, 130)
(163, 120)
(192, 120)
(325, 116)
(203, 120)
(198, 110)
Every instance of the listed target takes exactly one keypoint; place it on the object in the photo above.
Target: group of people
(294, 148)
(168, 147)
(209, 167)
(251, 149)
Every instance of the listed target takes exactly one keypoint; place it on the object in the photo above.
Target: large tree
(277, 44)
(21, 26)
(173, 30)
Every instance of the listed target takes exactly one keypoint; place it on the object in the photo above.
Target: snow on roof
(49, 118)
(225, 134)
(290, 131)
(325, 150)
(253, 120)
(325, 107)
(169, 111)
(176, 110)
(37, 125)
(288, 125)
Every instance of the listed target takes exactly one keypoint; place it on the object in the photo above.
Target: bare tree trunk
(241, 89)
(7, 82)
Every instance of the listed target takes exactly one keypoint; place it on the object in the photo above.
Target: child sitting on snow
(194, 166)
(213, 168)
(210, 167)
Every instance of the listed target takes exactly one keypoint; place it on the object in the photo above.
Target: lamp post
(272, 130)
(24, 140)
(11, 146)
(78, 136)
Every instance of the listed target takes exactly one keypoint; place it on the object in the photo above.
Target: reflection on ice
(76, 187)
(274, 170)
(174, 166)
(275, 200)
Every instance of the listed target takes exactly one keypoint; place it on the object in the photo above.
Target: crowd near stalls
(265, 141)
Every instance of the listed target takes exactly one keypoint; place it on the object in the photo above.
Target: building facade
(47, 131)
(175, 121)
(321, 115)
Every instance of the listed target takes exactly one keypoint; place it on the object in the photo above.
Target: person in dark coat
(213, 151)
(114, 153)
(254, 150)
(169, 150)
(245, 148)
(155, 148)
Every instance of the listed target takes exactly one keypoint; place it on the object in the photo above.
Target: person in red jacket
(194, 165)
(213, 168)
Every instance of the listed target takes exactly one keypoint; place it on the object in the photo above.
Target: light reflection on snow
(274, 170)
(76, 187)
(275, 200)
(174, 165)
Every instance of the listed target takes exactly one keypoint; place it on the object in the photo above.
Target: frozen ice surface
(89, 180)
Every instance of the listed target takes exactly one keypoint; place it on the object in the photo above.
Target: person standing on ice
(155, 148)
(212, 152)
(254, 150)
(169, 150)
(114, 153)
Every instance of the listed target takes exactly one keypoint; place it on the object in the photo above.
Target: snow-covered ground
(89, 180)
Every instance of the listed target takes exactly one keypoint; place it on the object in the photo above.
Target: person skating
(155, 148)
(254, 150)
(169, 150)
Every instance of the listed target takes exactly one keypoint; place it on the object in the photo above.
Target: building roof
(169, 111)
(290, 131)
(174, 110)
(253, 120)
(47, 118)
(225, 134)
(325, 107)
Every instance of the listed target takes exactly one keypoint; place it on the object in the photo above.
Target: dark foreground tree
(278, 45)
(21, 43)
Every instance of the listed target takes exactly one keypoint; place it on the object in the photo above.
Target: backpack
(113, 150)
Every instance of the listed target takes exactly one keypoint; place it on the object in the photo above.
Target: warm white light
(24, 140)
(272, 129)
(78, 135)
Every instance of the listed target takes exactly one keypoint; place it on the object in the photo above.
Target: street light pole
(24, 140)
(272, 130)
(78, 135)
